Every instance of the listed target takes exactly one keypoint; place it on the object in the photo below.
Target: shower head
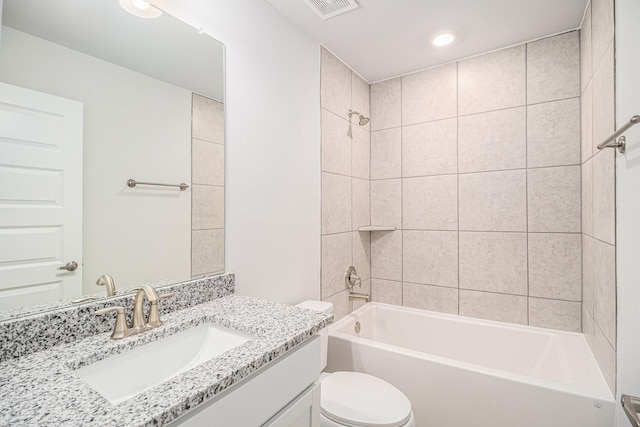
(363, 120)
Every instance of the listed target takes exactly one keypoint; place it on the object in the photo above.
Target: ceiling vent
(326, 9)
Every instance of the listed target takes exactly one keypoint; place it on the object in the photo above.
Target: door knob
(70, 266)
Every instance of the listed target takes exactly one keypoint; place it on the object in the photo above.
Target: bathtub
(464, 372)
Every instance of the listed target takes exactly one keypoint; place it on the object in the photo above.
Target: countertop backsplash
(35, 332)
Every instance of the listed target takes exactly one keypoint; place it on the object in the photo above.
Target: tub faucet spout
(356, 296)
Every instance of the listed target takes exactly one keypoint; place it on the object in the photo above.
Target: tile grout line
(526, 177)
(401, 203)
(458, 172)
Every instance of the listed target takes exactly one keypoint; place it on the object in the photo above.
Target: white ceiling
(163, 48)
(387, 38)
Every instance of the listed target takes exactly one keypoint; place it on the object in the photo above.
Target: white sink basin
(122, 377)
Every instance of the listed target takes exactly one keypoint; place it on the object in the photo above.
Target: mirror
(91, 97)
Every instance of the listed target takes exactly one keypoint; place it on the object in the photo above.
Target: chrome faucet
(138, 322)
(351, 279)
(107, 281)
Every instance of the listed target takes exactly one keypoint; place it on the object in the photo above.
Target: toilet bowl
(354, 399)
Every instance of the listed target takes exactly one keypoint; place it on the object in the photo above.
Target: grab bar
(631, 406)
(132, 183)
(619, 143)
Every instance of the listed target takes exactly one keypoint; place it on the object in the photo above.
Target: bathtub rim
(603, 393)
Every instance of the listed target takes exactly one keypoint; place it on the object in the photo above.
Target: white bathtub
(464, 372)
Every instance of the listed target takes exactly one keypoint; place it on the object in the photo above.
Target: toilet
(354, 399)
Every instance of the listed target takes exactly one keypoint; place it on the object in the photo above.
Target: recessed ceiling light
(140, 8)
(443, 38)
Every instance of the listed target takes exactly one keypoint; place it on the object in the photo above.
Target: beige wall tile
(336, 203)
(433, 298)
(207, 207)
(336, 257)
(605, 356)
(336, 145)
(588, 327)
(604, 196)
(386, 202)
(360, 153)
(587, 274)
(386, 154)
(430, 203)
(554, 199)
(361, 191)
(553, 314)
(386, 104)
(430, 94)
(207, 119)
(587, 197)
(603, 99)
(386, 255)
(207, 251)
(360, 97)
(494, 262)
(500, 307)
(492, 81)
(602, 27)
(553, 68)
(430, 257)
(386, 291)
(493, 141)
(430, 148)
(553, 133)
(555, 269)
(585, 48)
(361, 247)
(586, 119)
(340, 303)
(604, 283)
(335, 85)
(207, 163)
(493, 201)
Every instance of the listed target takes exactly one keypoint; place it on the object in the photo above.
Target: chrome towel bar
(620, 143)
(631, 406)
(132, 183)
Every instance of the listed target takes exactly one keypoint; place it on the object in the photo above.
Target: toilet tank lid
(321, 306)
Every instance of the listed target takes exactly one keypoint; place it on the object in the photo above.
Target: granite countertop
(41, 388)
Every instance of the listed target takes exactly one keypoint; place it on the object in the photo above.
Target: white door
(40, 197)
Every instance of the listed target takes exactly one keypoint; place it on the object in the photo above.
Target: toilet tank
(327, 308)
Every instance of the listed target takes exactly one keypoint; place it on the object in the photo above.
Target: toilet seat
(359, 400)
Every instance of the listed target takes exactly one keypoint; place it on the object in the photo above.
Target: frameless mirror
(92, 97)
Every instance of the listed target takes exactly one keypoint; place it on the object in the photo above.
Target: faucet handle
(154, 315)
(121, 323)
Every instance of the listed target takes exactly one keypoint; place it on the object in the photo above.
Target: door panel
(40, 196)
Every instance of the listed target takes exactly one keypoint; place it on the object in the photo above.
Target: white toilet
(353, 399)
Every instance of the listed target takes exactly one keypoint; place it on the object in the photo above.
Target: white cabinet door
(260, 398)
(40, 196)
(302, 412)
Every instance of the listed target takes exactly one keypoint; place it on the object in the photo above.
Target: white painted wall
(136, 235)
(628, 199)
(272, 206)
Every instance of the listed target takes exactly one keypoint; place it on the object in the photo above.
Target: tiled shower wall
(477, 165)
(598, 185)
(345, 181)
(207, 191)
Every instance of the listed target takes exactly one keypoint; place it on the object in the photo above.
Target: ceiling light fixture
(140, 8)
(443, 38)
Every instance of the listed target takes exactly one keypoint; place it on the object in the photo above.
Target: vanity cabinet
(284, 393)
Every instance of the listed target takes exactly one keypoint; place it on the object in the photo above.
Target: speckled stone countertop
(42, 389)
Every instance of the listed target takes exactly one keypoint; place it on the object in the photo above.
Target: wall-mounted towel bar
(620, 143)
(132, 183)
